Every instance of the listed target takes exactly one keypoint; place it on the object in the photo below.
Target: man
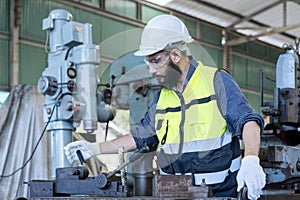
(194, 121)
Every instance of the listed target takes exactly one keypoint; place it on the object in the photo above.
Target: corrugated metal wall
(246, 59)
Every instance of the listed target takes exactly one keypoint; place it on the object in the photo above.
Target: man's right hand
(87, 149)
(252, 175)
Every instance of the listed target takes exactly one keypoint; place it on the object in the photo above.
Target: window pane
(126, 8)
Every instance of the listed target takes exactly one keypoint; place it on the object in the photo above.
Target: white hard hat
(161, 31)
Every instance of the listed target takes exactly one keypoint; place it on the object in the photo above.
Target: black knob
(102, 181)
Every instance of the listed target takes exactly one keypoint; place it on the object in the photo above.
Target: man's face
(164, 69)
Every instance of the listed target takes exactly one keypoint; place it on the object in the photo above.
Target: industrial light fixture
(224, 38)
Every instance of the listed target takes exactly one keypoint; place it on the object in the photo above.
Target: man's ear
(175, 55)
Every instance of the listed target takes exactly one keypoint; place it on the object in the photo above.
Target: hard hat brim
(146, 52)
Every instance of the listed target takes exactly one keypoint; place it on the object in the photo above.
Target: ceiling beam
(242, 40)
(296, 1)
(253, 14)
(284, 15)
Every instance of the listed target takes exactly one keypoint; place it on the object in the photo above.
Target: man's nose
(152, 70)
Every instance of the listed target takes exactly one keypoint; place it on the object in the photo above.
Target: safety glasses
(156, 62)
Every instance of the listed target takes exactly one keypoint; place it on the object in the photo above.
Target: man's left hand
(252, 175)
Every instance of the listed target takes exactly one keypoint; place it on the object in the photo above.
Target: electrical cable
(67, 53)
(38, 142)
(46, 42)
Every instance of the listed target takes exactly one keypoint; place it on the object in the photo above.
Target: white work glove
(252, 175)
(87, 149)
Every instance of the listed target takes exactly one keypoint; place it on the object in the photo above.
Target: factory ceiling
(271, 21)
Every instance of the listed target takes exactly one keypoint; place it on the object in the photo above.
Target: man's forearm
(251, 138)
(112, 146)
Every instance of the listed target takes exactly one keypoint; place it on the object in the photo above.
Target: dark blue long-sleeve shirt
(232, 103)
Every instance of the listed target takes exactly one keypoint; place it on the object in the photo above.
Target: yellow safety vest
(191, 127)
(203, 120)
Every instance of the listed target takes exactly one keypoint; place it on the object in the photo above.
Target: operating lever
(80, 157)
(103, 179)
(243, 194)
(131, 159)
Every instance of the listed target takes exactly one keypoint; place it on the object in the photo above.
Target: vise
(74, 181)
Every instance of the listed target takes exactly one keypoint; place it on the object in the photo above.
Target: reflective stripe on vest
(217, 177)
(214, 177)
(199, 145)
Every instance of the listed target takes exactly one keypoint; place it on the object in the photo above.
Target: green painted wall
(34, 61)
(4, 15)
(148, 13)
(125, 8)
(4, 64)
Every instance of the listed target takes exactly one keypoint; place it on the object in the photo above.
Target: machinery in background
(133, 89)
(70, 84)
(133, 86)
(280, 142)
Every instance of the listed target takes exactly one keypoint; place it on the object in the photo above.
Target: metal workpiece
(180, 186)
(122, 161)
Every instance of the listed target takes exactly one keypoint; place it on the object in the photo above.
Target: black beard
(172, 76)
